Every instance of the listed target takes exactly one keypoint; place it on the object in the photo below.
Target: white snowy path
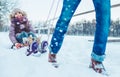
(74, 59)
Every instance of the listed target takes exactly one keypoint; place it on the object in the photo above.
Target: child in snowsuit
(20, 28)
(22, 34)
(102, 9)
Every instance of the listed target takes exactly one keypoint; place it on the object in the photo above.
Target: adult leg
(102, 9)
(68, 9)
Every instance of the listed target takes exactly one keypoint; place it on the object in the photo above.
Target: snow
(73, 59)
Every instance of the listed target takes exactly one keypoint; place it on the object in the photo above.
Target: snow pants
(24, 34)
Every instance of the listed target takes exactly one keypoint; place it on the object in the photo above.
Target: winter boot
(97, 66)
(44, 45)
(33, 48)
(52, 58)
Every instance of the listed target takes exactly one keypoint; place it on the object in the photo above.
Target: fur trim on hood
(12, 15)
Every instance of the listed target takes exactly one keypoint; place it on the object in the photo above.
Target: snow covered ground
(74, 59)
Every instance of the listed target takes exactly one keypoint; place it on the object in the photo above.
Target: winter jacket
(17, 26)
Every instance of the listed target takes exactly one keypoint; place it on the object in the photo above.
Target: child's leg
(20, 36)
(31, 34)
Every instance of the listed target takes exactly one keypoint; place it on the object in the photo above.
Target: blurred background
(43, 15)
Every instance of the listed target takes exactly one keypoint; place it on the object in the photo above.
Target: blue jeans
(102, 9)
(24, 34)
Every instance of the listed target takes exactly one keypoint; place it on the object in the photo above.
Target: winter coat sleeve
(12, 34)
